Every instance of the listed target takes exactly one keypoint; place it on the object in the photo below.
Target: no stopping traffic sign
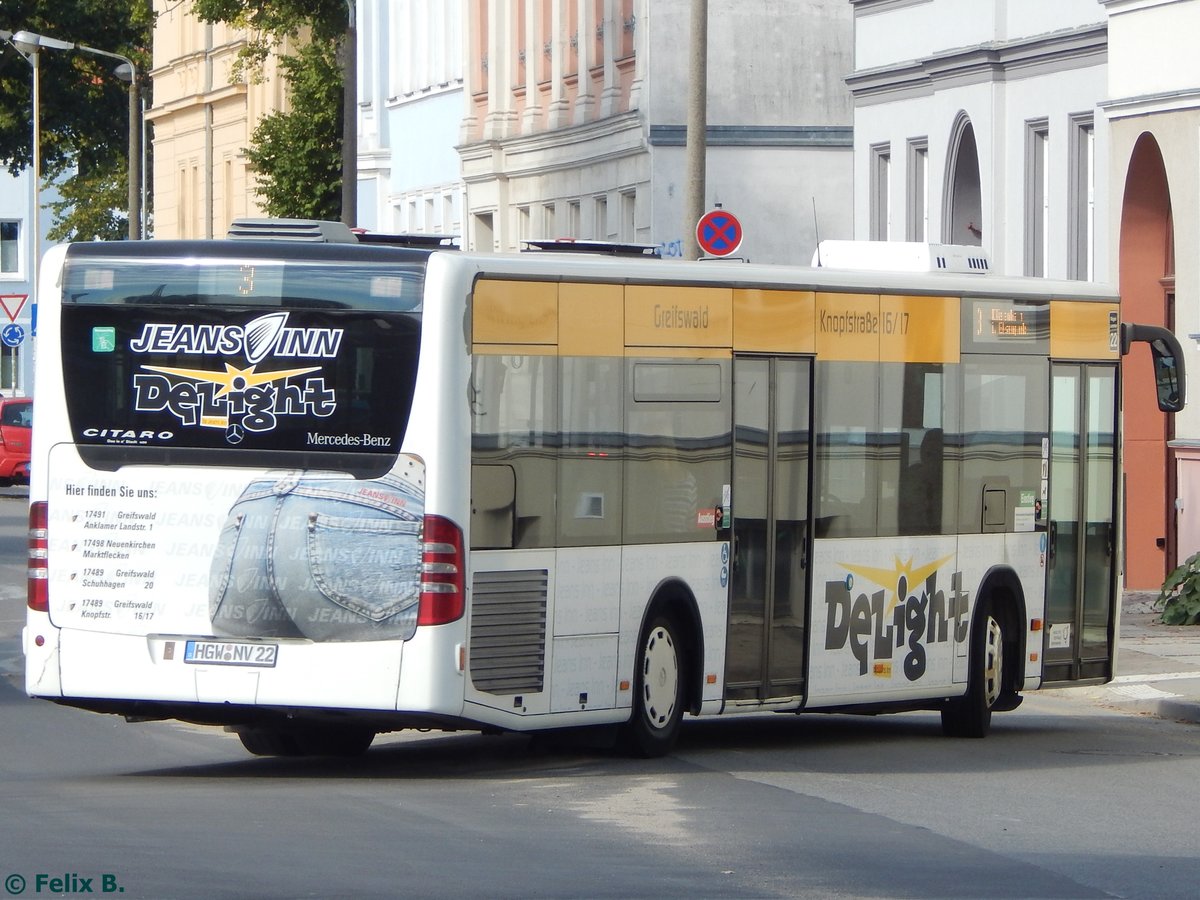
(719, 233)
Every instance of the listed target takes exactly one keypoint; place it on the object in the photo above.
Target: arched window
(962, 215)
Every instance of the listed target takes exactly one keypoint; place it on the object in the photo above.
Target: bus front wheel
(971, 715)
(659, 690)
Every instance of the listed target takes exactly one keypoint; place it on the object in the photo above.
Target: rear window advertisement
(283, 380)
(326, 559)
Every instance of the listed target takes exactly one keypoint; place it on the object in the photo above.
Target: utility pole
(350, 118)
(697, 127)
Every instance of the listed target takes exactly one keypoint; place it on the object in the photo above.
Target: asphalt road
(1065, 799)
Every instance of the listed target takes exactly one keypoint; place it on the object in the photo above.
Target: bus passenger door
(768, 611)
(1080, 592)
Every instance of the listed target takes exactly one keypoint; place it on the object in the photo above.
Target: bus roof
(572, 267)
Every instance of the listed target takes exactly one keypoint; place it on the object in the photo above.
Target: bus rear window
(190, 372)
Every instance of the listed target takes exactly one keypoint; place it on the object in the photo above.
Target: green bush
(1179, 598)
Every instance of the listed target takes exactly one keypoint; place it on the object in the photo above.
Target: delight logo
(909, 611)
(236, 398)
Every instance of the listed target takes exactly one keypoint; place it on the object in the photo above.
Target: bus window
(1005, 411)
(925, 410)
(678, 456)
(591, 460)
(515, 423)
(847, 471)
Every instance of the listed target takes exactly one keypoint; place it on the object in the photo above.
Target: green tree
(296, 154)
(83, 107)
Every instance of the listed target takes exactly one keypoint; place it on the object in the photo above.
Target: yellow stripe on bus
(515, 312)
(591, 319)
(919, 329)
(847, 327)
(666, 316)
(774, 321)
(1081, 330)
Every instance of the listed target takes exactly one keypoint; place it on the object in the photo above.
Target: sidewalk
(1158, 666)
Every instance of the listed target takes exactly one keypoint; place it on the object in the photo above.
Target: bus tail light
(443, 581)
(38, 571)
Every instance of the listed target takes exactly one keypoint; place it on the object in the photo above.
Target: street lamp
(29, 44)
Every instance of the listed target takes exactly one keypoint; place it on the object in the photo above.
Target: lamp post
(350, 117)
(29, 44)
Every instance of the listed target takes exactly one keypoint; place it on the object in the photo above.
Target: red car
(16, 421)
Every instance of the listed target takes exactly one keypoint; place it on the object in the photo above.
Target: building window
(523, 225)
(485, 234)
(628, 232)
(549, 229)
(1037, 197)
(573, 219)
(881, 192)
(600, 226)
(11, 381)
(917, 226)
(1082, 225)
(10, 248)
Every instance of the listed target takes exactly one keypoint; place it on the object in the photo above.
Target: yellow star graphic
(233, 378)
(890, 578)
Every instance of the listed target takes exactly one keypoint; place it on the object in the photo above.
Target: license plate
(230, 653)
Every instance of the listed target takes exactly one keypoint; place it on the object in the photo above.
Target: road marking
(1140, 692)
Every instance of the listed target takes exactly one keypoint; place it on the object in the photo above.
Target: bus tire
(269, 742)
(335, 740)
(970, 716)
(313, 741)
(659, 692)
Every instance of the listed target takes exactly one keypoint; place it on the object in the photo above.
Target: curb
(1179, 710)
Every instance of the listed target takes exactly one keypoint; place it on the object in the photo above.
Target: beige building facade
(202, 120)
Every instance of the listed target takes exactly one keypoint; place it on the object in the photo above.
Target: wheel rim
(993, 667)
(660, 678)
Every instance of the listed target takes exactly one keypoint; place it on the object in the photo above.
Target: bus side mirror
(1167, 357)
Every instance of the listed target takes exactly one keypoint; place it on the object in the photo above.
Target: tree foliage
(83, 106)
(296, 153)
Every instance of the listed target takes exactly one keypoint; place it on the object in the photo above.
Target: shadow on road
(873, 746)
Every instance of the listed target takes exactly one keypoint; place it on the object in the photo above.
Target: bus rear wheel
(327, 740)
(268, 742)
(970, 716)
(659, 690)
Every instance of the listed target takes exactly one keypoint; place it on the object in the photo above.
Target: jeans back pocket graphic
(325, 559)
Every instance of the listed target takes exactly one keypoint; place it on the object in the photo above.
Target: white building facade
(576, 113)
(1065, 139)
(977, 122)
(410, 94)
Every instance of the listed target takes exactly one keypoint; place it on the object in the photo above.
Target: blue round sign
(12, 335)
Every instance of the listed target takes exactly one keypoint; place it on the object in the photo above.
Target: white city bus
(316, 491)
